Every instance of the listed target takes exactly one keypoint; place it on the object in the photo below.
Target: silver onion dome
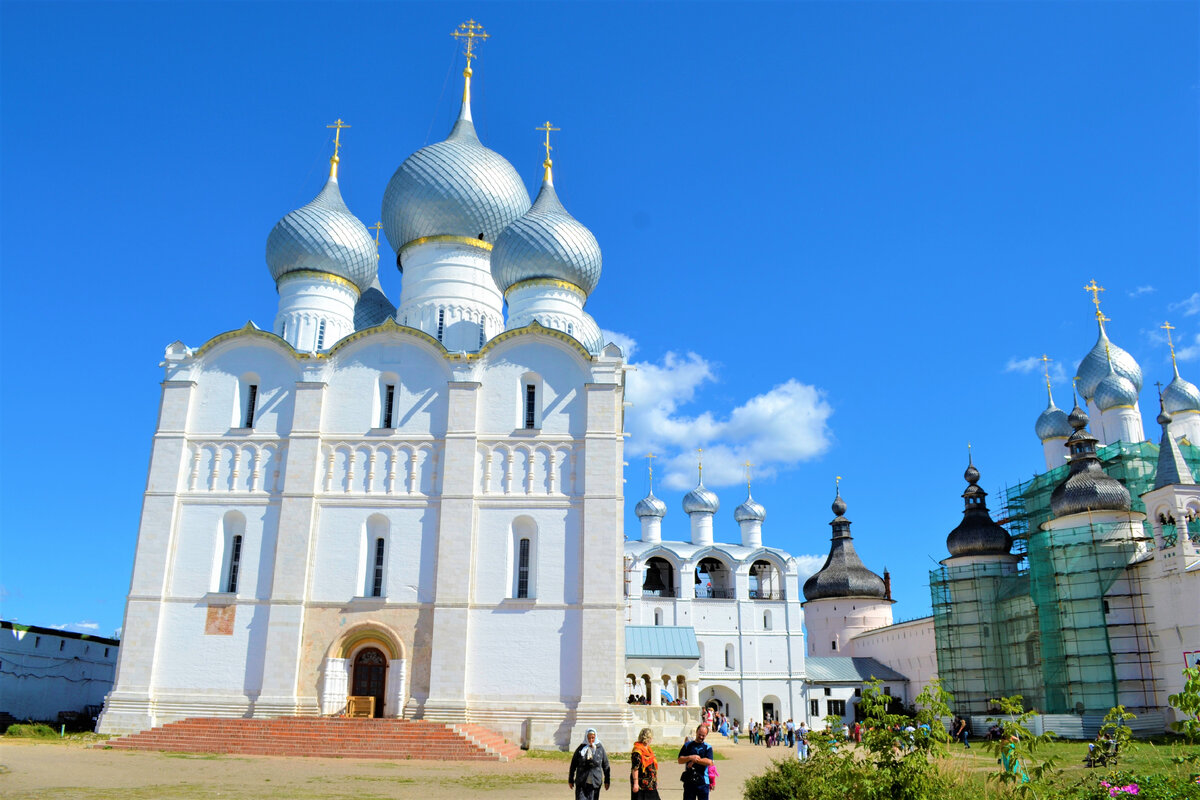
(1114, 391)
(1052, 423)
(372, 307)
(323, 236)
(650, 506)
(1180, 396)
(456, 187)
(547, 243)
(701, 501)
(750, 511)
(1094, 367)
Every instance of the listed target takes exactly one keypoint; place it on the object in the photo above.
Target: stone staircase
(324, 737)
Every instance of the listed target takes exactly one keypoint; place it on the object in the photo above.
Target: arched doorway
(370, 676)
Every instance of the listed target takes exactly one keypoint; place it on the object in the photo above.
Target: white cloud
(774, 430)
(1189, 306)
(808, 565)
(1141, 290)
(86, 625)
(1191, 352)
(1034, 364)
(627, 343)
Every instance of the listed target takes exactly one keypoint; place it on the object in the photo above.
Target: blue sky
(835, 232)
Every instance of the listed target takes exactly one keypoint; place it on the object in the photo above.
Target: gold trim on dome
(555, 282)
(328, 277)
(448, 239)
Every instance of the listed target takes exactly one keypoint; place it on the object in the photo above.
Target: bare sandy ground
(67, 771)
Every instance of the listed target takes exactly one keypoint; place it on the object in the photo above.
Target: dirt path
(65, 771)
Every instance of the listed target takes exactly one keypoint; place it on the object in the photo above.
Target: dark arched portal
(370, 676)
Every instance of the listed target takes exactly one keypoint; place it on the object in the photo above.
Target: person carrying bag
(697, 757)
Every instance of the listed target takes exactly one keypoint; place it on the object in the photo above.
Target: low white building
(44, 671)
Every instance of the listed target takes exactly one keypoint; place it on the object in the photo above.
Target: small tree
(1188, 702)
(933, 706)
(1114, 728)
(1018, 746)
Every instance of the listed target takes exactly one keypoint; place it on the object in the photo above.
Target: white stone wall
(832, 623)
(907, 647)
(43, 672)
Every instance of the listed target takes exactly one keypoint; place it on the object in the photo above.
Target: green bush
(1127, 786)
(31, 731)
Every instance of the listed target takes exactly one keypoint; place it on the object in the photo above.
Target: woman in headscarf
(643, 780)
(589, 768)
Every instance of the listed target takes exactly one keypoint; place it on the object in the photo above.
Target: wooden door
(370, 676)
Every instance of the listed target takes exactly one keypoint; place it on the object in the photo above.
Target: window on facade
(836, 707)
(235, 563)
(858, 692)
(482, 335)
(37, 641)
(887, 690)
(833, 644)
(530, 406)
(321, 335)
(389, 401)
(377, 575)
(1105, 602)
(766, 620)
(814, 708)
(658, 616)
(441, 323)
(61, 645)
(106, 652)
(523, 568)
(251, 405)
(728, 656)
(283, 330)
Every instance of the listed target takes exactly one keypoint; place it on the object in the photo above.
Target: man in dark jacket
(589, 767)
(697, 757)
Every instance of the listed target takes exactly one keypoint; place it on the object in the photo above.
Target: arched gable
(375, 634)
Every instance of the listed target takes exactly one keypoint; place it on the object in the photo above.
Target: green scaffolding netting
(1063, 625)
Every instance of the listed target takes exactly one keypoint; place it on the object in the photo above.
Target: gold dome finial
(1095, 290)
(1168, 327)
(748, 465)
(376, 228)
(468, 32)
(545, 127)
(337, 145)
(650, 469)
(1046, 371)
(700, 464)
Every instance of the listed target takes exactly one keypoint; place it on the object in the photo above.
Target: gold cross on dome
(546, 128)
(376, 228)
(337, 136)
(1168, 327)
(700, 462)
(748, 466)
(470, 31)
(1095, 289)
(1046, 367)
(650, 464)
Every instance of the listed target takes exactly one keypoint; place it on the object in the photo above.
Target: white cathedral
(422, 504)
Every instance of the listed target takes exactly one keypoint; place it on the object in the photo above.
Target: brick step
(324, 737)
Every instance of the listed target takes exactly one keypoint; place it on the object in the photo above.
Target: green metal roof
(660, 641)
(844, 669)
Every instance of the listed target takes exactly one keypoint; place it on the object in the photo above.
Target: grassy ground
(1146, 758)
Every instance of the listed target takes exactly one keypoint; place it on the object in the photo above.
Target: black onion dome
(977, 534)
(1088, 487)
(843, 574)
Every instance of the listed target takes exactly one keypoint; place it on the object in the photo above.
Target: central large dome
(453, 188)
